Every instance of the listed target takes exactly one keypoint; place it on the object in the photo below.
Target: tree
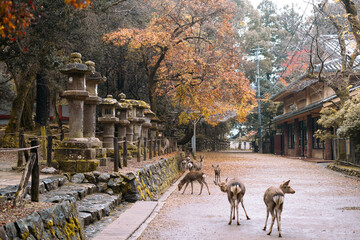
(346, 27)
(189, 52)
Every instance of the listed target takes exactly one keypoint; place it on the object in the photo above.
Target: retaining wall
(63, 222)
(58, 222)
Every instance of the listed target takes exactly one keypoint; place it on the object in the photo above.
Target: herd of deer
(235, 189)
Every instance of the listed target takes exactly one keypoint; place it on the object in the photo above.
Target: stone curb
(161, 202)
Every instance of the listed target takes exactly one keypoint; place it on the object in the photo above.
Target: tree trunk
(42, 100)
(16, 113)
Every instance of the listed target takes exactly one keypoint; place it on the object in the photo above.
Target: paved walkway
(134, 220)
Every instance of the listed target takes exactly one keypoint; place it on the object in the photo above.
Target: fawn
(193, 176)
(194, 166)
(217, 173)
(274, 199)
(235, 190)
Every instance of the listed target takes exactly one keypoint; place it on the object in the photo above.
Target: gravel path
(326, 204)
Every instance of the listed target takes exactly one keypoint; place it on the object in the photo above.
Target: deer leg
(267, 216)
(272, 221)
(206, 186)
(278, 218)
(231, 212)
(237, 213)
(185, 187)
(242, 204)
(192, 187)
(201, 184)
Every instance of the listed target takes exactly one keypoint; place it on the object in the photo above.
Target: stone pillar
(132, 119)
(75, 94)
(140, 119)
(108, 120)
(297, 138)
(122, 114)
(286, 139)
(92, 81)
(309, 130)
(74, 153)
(147, 124)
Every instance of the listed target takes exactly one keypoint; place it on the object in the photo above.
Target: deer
(217, 171)
(193, 166)
(235, 190)
(274, 200)
(190, 177)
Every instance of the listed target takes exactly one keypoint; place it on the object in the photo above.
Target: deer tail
(235, 190)
(278, 199)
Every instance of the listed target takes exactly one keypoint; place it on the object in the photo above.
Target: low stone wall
(58, 222)
(155, 178)
(63, 220)
(348, 170)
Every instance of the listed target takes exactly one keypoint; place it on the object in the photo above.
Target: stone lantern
(140, 119)
(108, 119)
(122, 113)
(132, 118)
(92, 81)
(147, 124)
(74, 154)
(76, 94)
(154, 127)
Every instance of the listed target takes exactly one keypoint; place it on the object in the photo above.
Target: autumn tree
(189, 52)
(347, 29)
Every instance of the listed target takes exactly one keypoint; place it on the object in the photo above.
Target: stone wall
(154, 179)
(63, 220)
(58, 222)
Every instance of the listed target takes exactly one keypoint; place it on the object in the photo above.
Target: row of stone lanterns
(133, 118)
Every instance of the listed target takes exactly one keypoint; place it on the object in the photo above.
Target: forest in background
(188, 59)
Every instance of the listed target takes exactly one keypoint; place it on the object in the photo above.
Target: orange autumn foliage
(16, 16)
(296, 64)
(190, 53)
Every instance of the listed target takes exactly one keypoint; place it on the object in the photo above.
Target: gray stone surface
(78, 178)
(103, 177)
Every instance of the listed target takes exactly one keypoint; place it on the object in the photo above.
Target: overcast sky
(301, 4)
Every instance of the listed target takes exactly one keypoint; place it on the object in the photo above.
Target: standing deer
(190, 177)
(235, 190)
(217, 171)
(274, 200)
(194, 166)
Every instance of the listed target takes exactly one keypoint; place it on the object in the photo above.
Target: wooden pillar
(309, 130)
(286, 139)
(116, 155)
(125, 152)
(327, 150)
(35, 176)
(297, 138)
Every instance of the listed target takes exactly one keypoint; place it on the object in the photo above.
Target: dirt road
(326, 204)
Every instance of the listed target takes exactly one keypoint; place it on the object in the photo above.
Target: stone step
(96, 206)
(69, 191)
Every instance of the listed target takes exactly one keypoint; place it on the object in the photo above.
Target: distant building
(303, 99)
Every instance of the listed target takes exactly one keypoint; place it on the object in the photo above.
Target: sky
(301, 4)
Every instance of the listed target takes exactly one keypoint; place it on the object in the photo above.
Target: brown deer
(274, 200)
(217, 171)
(194, 166)
(190, 177)
(235, 190)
